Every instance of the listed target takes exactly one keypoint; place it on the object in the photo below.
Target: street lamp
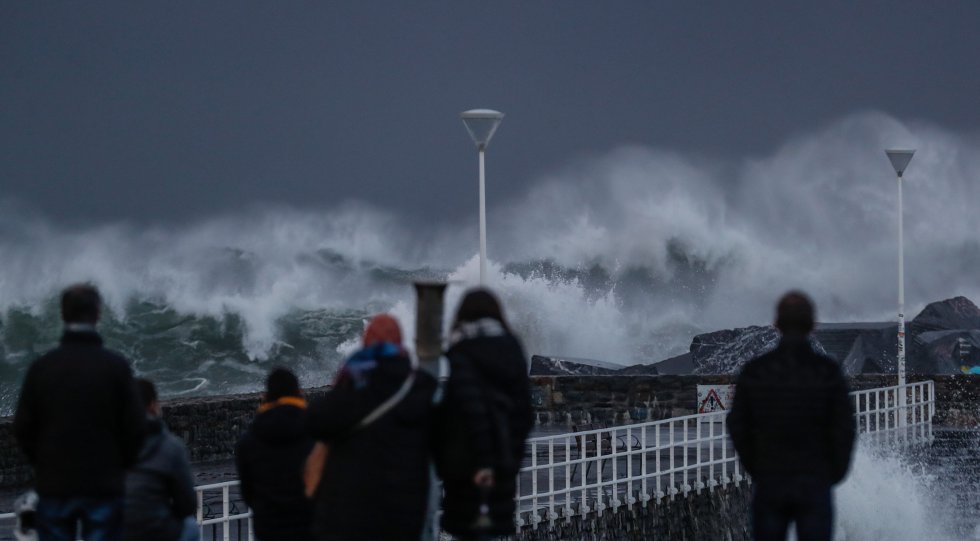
(900, 160)
(482, 123)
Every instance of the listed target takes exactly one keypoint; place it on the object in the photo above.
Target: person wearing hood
(375, 424)
(270, 458)
(160, 498)
(485, 420)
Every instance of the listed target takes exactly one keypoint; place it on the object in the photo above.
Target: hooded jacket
(270, 458)
(484, 422)
(159, 488)
(375, 481)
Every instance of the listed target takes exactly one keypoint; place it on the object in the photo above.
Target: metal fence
(221, 513)
(896, 416)
(604, 468)
(601, 469)
(594, 470)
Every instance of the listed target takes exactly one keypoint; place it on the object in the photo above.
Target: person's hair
(147, 391)
(80, 303)
(477, 304)
(281, 382)
(795, 313)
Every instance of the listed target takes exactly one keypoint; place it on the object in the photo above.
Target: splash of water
(623, 257)
(887, 498)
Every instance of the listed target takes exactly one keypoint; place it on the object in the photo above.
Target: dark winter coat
(485, 419)
(375, 481)
(792, 416)
(270, 459)
(79, 419)
(159, 488)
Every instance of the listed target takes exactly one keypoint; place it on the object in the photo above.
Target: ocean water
(888, 497)
(621, 256)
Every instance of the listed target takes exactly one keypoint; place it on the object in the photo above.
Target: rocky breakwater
(942, 339)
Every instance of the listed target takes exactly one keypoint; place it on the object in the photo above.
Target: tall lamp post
(900, 160)
(482, 123)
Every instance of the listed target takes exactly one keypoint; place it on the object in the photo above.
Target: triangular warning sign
(711, 403)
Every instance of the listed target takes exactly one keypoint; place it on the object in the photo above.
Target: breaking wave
(621, 257)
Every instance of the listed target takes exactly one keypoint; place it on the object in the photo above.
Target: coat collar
(294, 401)
(81, 334)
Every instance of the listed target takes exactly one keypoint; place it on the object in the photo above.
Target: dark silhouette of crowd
(364, 460)
(359, 463)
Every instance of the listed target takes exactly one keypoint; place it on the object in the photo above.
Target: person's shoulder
(114, 356)
(830, 368)
(116, 361)
(758, 363)
(45, 359)
(47, 362)
(246, 441)
(173, 445)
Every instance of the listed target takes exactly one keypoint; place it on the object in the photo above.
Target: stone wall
(716, 514)
(14, 470)
(210, 426)
(574, 400)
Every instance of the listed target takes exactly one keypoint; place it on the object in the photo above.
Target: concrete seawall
(210, 426)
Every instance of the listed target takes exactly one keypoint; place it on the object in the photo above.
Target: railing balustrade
(591, 471)
(601, 469)
(219, 518)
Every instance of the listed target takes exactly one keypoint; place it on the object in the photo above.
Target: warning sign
(712, 398)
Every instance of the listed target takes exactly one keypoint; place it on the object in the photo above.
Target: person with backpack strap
(485, 418)
(373, 430)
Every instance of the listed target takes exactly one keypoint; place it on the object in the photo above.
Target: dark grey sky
(164, 111)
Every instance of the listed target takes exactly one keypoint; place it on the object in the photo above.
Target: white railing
(577, 473)
(218, 514)
(878, 415)
(594, 470)
(219, 517)
(604, 468)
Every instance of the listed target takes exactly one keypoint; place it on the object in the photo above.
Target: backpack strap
(394, 399)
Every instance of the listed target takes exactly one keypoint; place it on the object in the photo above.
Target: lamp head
(900, 159)
(481, 123)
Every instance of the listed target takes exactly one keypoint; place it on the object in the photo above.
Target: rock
(874, 351)
(556, 366)
(947, 352)
(679, 365)
(724, 352)
(640, 370)
(950, 314)
(944, 337)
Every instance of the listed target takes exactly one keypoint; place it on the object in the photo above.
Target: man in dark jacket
(485, 420)
(80, 423)
(160, 498)
(793, 428)
(270, 458)
(376, 423)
